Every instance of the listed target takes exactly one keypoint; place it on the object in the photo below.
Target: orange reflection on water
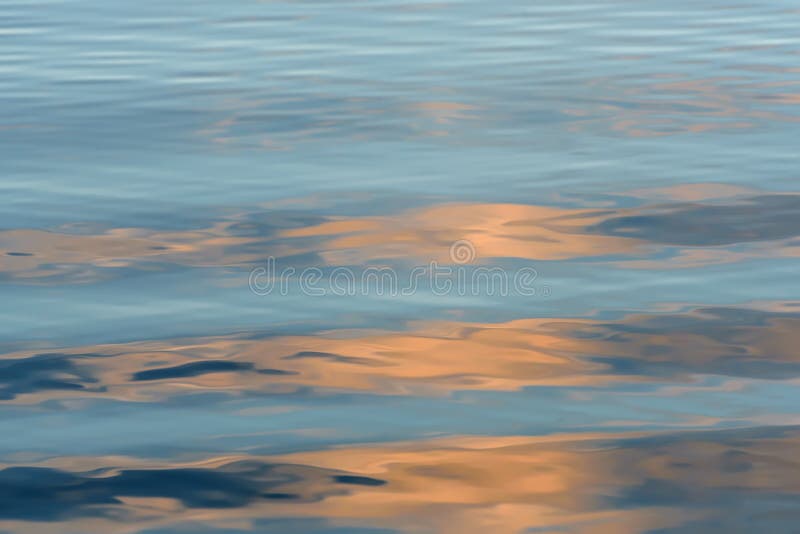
(439, 358)
(586, 483)
(432, 358)
(670, 104)
(765, 224)
(495, 230)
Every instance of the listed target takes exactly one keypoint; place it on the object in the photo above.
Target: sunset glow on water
(381, 267)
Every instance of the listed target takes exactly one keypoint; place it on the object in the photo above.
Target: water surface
(638, 158)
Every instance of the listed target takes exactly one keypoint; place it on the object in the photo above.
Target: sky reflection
(589, 482)
(428, 358)
(639, 157)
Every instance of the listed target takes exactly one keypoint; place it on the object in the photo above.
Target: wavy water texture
(732, 230)
(184, 186)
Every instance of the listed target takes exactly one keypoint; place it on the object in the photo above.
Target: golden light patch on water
(624, 237)
(588, 483)
(430, 358)
(495, 230)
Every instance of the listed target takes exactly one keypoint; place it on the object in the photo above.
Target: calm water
(213, 212)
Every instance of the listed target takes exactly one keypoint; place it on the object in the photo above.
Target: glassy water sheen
(219, 229)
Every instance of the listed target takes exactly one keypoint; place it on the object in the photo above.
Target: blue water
(162, 163)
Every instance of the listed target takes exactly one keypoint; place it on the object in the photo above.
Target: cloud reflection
(523, 231)
(576, 482)
(429, 359)
(580, 483)
(132, 490)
